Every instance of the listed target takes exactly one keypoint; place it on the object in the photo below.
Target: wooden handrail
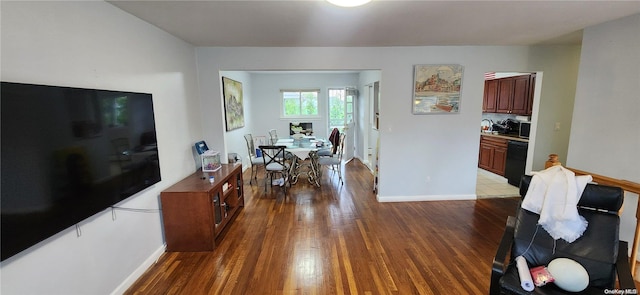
(626, 185)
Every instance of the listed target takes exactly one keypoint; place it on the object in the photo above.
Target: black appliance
(507, 126)
(525, 129)
(67, 154)
(516, 161)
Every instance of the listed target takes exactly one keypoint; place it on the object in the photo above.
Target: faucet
(490, 124)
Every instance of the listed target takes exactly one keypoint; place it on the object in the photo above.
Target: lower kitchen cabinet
(493, 154)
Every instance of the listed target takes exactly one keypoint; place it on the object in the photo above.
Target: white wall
(559, 67)
(234, 141)
(262, 97)
(95, 45)
(441, 151)
(367, 136)
(268, 103)
(605, 135)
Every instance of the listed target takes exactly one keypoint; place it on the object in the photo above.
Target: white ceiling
(299, 23)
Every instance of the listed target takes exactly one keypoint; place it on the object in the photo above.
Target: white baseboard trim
(139, 271)
(383, 199)
(368, 164)
(246, 164)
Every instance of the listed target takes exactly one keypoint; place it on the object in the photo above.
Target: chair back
(272, 157)
(250, 146)
(334, 138)
(601, 197)
(273, 135)
(596, 250)
(340, 148)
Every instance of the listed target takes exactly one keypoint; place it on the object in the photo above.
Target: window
(300, 103)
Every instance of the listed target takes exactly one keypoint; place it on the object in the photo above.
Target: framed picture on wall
(436, 89)
(233, 105)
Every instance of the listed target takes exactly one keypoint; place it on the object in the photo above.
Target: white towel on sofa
(554, 194)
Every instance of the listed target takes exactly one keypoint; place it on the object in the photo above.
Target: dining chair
(334, 162)
(273, 135)
(255, 160)
(334, 139)
(275, 164)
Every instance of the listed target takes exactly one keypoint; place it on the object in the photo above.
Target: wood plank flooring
(339, 240)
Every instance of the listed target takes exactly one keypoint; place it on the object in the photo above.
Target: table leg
(314, 169)
(294, 170)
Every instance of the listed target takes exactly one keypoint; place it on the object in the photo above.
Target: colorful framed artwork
(436, 89)
(233, 105)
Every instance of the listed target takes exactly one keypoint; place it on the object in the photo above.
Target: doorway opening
(508, 103)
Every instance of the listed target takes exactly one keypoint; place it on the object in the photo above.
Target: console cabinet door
(217, 208)
(240, 189)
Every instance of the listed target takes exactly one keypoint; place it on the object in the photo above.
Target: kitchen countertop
(506, 136)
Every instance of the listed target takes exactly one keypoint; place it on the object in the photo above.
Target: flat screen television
(67, 154)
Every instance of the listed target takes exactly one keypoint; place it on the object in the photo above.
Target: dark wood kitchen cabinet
(490, 96)
(522, 95)
(511, 95)
(195, 211)
(505, 95)
(532, 88)
(493, 154)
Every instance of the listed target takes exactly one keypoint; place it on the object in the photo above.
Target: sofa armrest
(625, 278)
(499, 261)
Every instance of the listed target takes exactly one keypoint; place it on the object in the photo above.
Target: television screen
(67, 154)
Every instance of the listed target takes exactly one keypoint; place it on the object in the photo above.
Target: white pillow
(568, 274)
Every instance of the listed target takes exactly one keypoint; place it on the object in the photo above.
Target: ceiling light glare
(348, 3)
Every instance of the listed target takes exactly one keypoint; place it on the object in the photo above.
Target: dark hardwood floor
(339, 240)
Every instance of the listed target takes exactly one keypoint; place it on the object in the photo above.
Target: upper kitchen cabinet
(531, 89)
(505, 95)
(511, 95)
(490, 96)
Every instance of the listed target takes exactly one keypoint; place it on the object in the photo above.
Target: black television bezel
(42, 231)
